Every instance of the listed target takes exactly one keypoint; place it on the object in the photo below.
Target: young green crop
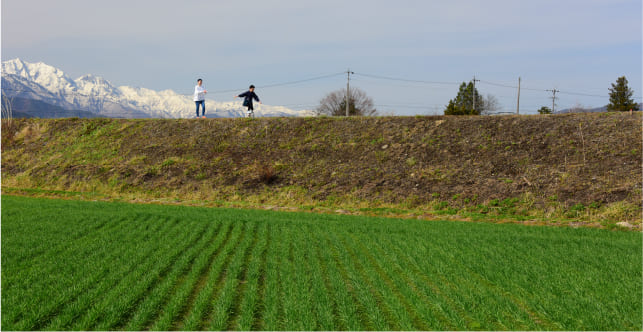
(110, 266)
(214, 277)
(179, 299)
(225, 301)
(246, 312)
(161, 294)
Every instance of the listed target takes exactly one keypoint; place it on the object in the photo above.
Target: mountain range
(33, 86)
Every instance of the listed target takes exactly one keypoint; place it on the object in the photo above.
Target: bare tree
(334, 104)
(7, 107)
(492, 105)
(8, 128)
(578, 108)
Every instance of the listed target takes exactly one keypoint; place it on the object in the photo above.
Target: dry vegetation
(578, 168)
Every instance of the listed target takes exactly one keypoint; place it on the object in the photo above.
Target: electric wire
(278, 84)
(110, 97)
(405, 80)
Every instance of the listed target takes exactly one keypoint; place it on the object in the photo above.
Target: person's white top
(199, 93)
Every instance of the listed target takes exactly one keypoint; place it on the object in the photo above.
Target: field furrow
(193, 283)
(225, 299)
(296, 293)
(369, 317)
(160, 294)
(325, 310)
(479, 301)
(29, 253)
(452, 313)
(242, 280)
(100, 287)
(48, 263)
(344, 307)
(182, 289)
(203, 301)
(120, 298)
(396, 317)
(63, 278)
(533, 319)
(248, 309)
(257, 317)
(114, 266)
(385, 281)
(428, 309)
(272, 304)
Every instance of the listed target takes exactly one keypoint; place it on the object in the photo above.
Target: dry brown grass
(552, 165)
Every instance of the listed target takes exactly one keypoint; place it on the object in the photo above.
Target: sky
(408, 55)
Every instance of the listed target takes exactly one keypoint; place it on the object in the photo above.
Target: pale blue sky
(576, 46)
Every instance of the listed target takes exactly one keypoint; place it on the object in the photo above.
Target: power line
(407, 106)
(210, 92)
(482, 81)
(498, 84)
(405, 80)
(512, 86)
(299, 81)
(549, 90)
(111, 98)
(275, 84)
(583, 94)
(300, 105)
(356, 74)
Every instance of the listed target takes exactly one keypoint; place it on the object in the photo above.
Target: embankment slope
(565, 166)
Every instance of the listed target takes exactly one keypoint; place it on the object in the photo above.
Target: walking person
(247, 101)
(199, 97)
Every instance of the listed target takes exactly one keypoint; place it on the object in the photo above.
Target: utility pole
(348, 89)
(474, 93)
(518, 104)
(553, 100)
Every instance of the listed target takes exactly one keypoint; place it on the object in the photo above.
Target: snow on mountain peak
(96, 94)
(26, 69)
(45, 75)
(13, 66)
(92, 79)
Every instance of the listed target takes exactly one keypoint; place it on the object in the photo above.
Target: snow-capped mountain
(48, 84)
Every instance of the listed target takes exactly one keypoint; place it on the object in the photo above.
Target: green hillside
(583, 169)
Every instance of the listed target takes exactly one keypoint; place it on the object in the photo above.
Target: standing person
(247, 101)
(199, 97)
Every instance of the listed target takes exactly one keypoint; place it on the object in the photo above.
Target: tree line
(468, 101)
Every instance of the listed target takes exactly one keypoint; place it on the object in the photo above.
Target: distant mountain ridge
(30, 108)
(50, 85)
(588, 110)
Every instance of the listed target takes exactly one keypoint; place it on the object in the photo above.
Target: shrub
(267, 174)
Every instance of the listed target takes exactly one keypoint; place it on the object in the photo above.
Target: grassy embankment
(74, 265)
(579, 169)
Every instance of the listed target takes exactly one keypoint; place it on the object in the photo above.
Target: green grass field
(71, 265)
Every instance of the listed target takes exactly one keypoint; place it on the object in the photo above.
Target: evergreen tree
(463, 102)
(621, 97)
(544, 110)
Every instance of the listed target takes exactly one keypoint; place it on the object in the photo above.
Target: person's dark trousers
(202, 103)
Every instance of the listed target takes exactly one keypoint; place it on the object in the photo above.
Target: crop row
(109, 266)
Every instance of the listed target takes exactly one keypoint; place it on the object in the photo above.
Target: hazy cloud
(135, 40)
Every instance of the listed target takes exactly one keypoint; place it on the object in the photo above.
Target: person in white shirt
(199, 97)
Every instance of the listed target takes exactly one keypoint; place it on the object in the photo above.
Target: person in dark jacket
(247, 101)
